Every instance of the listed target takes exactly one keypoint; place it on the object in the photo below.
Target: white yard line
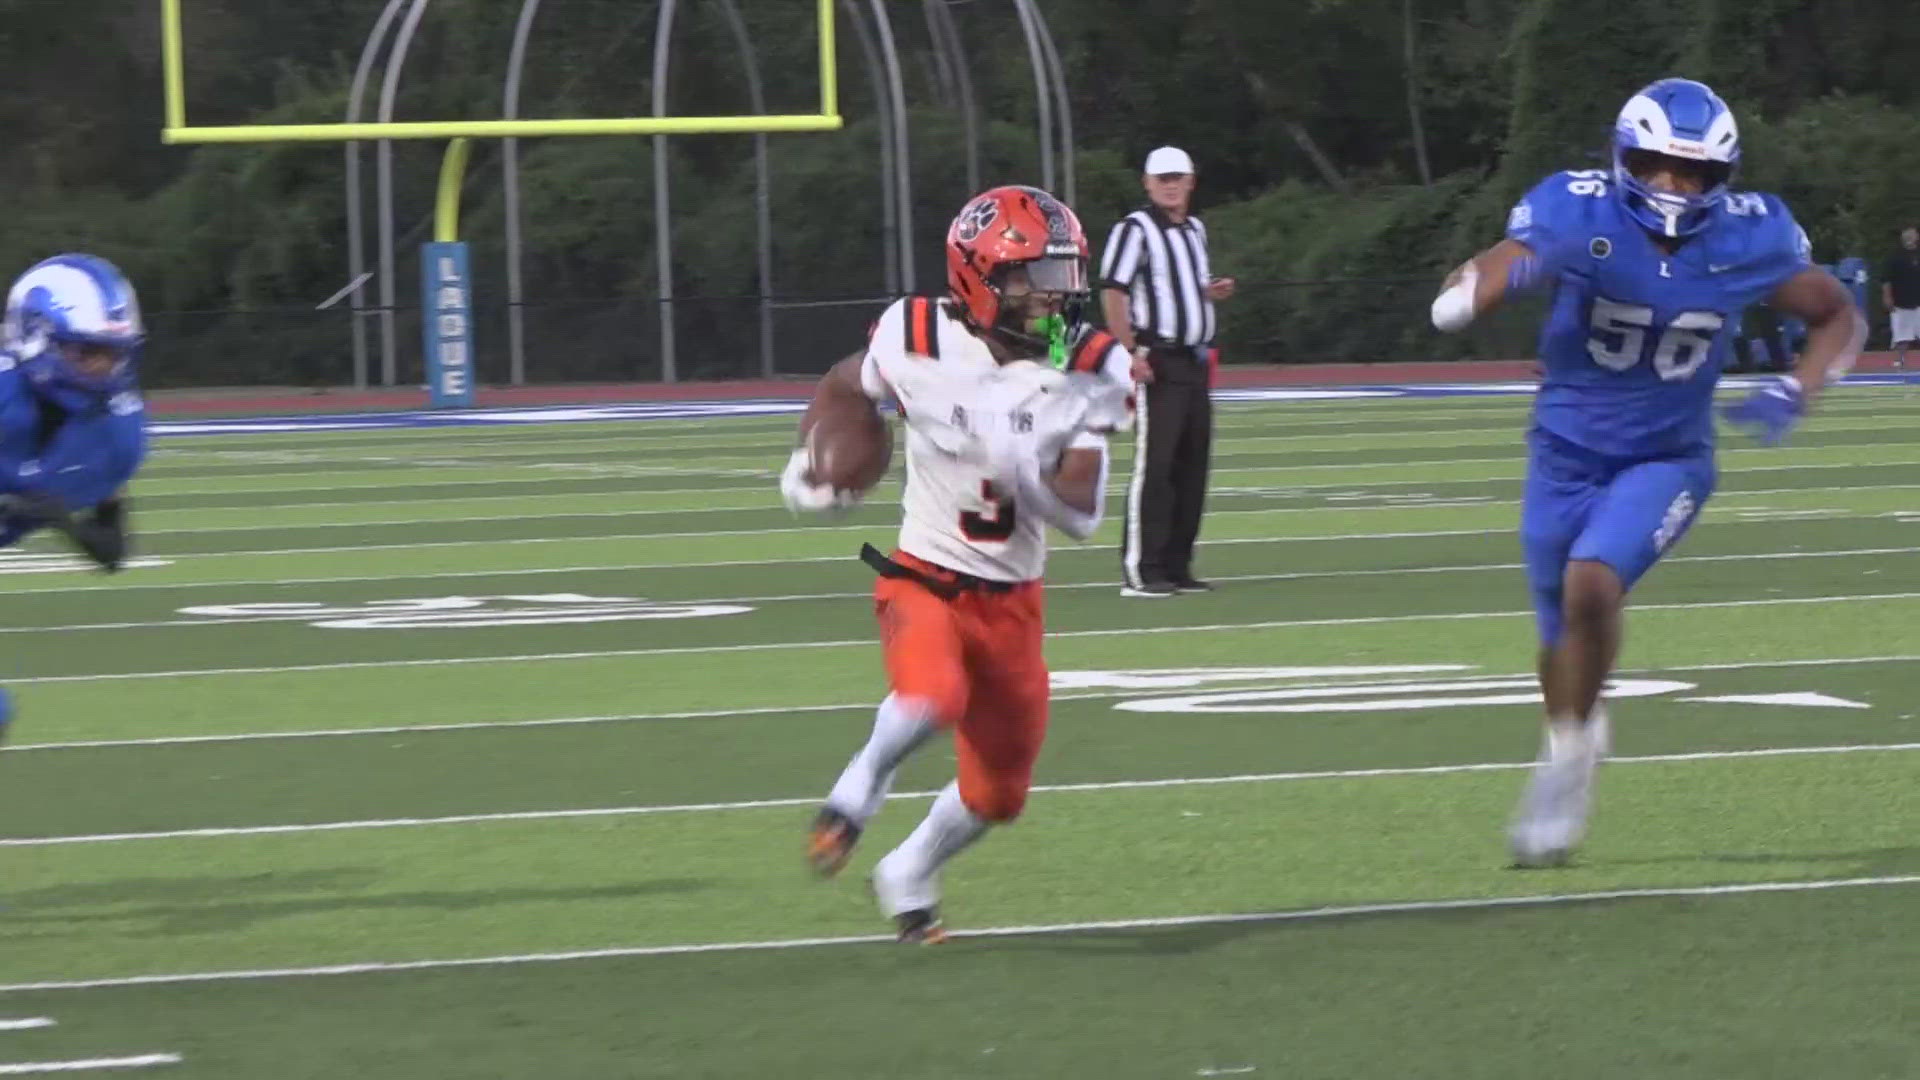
(1411, 907)
(37, 1068)
(860, 706)
(1406, 503)
(696, 714)
(729, 450)
(878, 528)
(889, 487)
(1304, 575)
(770, 473)
(1131, 631)
(872, 528)
(776, 432)
(767, 804)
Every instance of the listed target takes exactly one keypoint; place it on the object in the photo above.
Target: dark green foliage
(1298, 112)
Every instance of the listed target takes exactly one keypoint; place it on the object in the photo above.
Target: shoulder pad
(1756, 244)
(1765, 226)
(1091, 351)
(909, 327)
(1565, 202)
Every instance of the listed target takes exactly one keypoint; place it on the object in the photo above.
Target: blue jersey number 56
(1620, 333)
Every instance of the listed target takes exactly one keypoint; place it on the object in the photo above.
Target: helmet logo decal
(975, 219)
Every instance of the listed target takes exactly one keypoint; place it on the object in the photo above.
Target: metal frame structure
(902, 164)
(177, 130)
(879, 47)
(383, 166)
(356, 234)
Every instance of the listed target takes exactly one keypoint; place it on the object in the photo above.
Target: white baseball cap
(1168, 159)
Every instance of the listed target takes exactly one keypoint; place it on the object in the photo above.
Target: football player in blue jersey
(72, 424)
(1645, 267)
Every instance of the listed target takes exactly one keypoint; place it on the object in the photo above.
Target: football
(852, 443)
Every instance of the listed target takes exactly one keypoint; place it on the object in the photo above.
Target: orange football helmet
(1013, 226)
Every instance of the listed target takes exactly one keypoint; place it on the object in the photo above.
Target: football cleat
(920, 926)
(831, 841)
(1552, 817)
(911, 900)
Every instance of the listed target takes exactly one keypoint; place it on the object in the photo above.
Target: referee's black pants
(1173, 442)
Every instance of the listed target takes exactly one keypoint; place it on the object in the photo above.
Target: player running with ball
(1007, 403)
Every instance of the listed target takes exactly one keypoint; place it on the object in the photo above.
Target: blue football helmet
(73, 300)
(1677, 118)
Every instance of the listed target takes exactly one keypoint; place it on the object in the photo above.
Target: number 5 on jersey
(1620, 333)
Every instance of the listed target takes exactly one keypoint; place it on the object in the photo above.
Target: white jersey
(953, 516)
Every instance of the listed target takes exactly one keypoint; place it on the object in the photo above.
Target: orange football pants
(976, 659)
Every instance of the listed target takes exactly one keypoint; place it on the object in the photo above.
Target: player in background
(1646, 268)
(72, 424)
(1007, 403)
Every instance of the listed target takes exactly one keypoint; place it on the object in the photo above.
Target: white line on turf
(1401, 467)
(773, 646)
(1305, 575)
(36, 1068)
(783, 710)
(528, 502)
(1410, 907)
(1429, 502)
(870, 527)
(1084, 549)
(734, 457)
(26, 1024)
(771, 804)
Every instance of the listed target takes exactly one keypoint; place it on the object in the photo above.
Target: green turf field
(471, 753)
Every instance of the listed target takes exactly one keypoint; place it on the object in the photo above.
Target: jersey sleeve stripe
(923, 332)
(1092, 352)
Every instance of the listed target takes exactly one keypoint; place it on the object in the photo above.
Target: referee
(1901, 294)
(1157, 295)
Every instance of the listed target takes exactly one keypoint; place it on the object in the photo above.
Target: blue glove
(1770, 412)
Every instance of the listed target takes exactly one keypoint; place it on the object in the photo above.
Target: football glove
(1770, 412)
(805, 495)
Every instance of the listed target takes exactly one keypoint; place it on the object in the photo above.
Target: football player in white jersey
(1007, 407)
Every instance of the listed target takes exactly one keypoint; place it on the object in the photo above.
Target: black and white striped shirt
(1163, 268)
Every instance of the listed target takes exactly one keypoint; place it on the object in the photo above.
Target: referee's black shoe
(1191, 584)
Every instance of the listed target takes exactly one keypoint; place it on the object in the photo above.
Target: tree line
(1349, 152)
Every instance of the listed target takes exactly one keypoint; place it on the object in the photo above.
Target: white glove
(803, 495)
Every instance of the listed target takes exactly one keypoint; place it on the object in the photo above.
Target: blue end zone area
(696, 410)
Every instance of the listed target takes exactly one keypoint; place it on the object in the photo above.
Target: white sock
(911, 871)
(1568, 735)
(899, 727)
(1600, 730)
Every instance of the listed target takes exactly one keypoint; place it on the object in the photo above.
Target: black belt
(1158, 344)
(943, 588)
